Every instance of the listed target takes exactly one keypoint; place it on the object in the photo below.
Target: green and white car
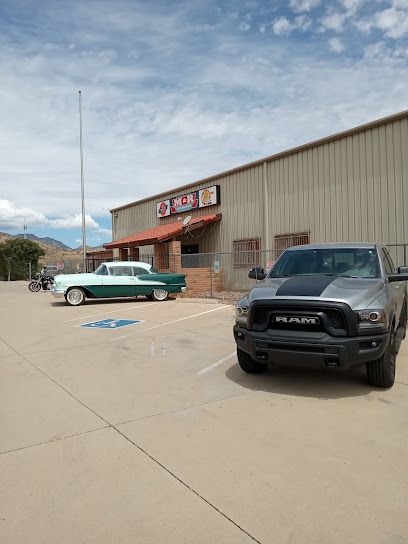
(118, 279)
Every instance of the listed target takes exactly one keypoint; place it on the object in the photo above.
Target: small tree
(3, 264)
(15, 256)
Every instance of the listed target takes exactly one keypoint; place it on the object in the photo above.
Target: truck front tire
(248, 364)
(381, 372)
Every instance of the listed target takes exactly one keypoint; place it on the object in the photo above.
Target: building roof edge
(270, 158)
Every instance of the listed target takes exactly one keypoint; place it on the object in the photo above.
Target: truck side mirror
(402, 270)
(257, 273)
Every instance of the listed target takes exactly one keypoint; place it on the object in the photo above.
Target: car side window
(137, 271)
(121, 270)
(388, 264)
(102, 271)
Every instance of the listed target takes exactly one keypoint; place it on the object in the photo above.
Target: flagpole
(82, 182)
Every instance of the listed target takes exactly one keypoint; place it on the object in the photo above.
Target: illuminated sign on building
(190, 201)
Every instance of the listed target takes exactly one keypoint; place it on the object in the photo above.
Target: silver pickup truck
(325, 305)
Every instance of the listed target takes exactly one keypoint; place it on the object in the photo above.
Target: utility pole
(25, 230)
(82, 182)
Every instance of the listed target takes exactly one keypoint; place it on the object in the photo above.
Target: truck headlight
(369, 320)
(241, 315)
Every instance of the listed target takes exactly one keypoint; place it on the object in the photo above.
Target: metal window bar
(246, 252)
(283, 241)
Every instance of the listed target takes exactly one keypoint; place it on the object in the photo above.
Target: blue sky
(174, 91)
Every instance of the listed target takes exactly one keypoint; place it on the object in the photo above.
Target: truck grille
(336, 319)
(299, 318)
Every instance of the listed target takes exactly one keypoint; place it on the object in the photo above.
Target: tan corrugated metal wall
(353, 188)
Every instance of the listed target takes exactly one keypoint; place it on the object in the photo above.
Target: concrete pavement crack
(178, 410)
(142, 450)
(55, 440)
(182, 482)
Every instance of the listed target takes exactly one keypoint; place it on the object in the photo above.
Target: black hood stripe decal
(305, 286)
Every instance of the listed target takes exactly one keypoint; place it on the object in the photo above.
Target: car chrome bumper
(58, 293)
(184, 289)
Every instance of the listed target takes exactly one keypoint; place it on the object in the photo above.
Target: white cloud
(104, 232)
(393, 22)
(12, 217)
(336, 45)
(401, 52)
(352, 6)
(282, 26)
(299, 6)
(73, 221)
(165, 106)
(333, 21)
(382, 51)
(364, 25)
(303, 22)
(376, 50)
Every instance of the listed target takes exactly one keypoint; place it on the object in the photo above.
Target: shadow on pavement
(305, 382)
(99, 301)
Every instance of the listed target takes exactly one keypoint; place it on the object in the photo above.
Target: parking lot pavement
(34, 410)
(110, 440)
(99, 488)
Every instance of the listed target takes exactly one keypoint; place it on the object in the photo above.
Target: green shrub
(15, 256)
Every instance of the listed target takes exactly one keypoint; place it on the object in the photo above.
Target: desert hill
(53, 254)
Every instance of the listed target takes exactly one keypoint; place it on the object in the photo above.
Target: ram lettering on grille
(299, 320)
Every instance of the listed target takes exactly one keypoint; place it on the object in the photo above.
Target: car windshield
(346, 262)
(154, 270)
(101, 270)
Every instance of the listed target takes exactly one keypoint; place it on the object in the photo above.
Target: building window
(283, 241)
(246, 252)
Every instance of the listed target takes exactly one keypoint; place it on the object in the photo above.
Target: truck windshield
(346, 262)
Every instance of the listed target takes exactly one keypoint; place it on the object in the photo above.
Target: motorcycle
(41, 281)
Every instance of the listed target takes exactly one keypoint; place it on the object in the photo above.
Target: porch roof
(162, 233)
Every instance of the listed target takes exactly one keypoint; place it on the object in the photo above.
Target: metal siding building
(352, 186)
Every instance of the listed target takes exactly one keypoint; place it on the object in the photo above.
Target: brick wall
(202, 281)
(167, 258)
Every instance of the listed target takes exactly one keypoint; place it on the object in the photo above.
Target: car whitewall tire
(75, 296)
(160, 295)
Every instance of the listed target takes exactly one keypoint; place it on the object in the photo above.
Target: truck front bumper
(314, 349)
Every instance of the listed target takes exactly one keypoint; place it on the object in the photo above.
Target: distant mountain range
(54, 250)
(45, 240)
(48, 241)
(79, 248)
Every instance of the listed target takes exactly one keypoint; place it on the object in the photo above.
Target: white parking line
(218, 363)
(109, 312)
(170, 323)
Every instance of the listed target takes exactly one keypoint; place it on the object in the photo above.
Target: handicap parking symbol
(110, 323)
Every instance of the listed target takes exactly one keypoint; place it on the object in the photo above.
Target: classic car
(118, 279)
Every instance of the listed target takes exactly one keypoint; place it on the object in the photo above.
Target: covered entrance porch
(162, 247)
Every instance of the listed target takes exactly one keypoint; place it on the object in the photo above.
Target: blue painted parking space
(110, 323)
